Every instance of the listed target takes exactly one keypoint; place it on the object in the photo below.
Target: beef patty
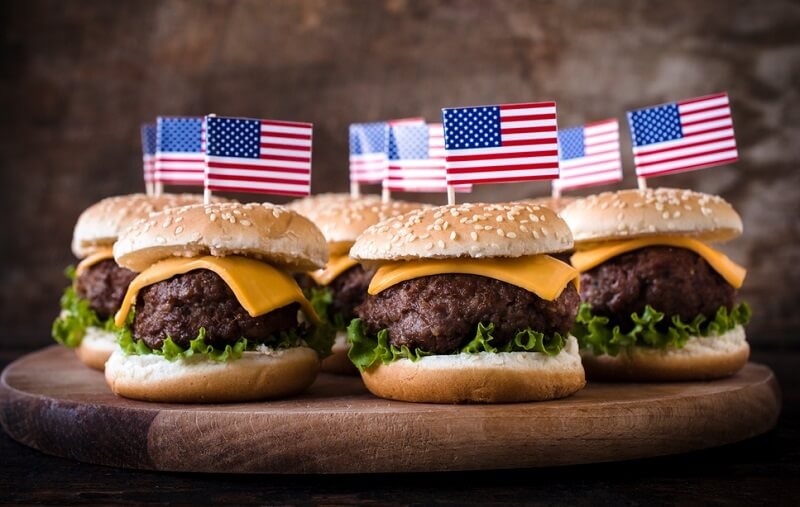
(440, 313)
(180, 306)
(104, 285)
(672, 280)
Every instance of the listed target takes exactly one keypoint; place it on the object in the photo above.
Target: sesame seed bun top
(343, 220)
(554, 203)
(264, 231)
(635, 213)
(473, 230)
(100, 224)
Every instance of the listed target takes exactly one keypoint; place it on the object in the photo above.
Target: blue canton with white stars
(655, 125)
(408, 142)
(571, 143)
(368, 138)
(149, 139)
(233, 137)
(471, 127)
(179, 134)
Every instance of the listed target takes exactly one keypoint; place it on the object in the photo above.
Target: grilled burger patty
(180, 306)
(439, 313)
(104, 285)
(348, 290)
(672, 280)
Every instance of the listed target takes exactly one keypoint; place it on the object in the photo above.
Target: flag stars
(472, 127)
(234, 137)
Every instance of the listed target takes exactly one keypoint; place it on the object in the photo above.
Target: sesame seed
(428, 246)
(161, 239)
(511, 235)
(473, 235)
(499, 218)
(212, 217)
(500, 232)
(676, 214)
(246, 223)
(453, 235)
(665, 215)
(440, 243)
(523, 228)
(178, 230)
(487, 227)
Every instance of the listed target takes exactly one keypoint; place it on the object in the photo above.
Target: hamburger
(554, 203)
(467, 305)
(337, 289)
(658, 302)
(88, 305)
(214, 314)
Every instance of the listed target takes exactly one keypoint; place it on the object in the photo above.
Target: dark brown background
(79, 77)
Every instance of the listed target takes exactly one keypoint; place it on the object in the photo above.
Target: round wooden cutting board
(50, 401)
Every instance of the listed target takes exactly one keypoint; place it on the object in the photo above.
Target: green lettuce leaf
(366, 351)
(76, 315)
(321, 299)
(651, 330)
(319, 338)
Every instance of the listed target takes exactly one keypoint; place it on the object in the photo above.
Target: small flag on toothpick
(179, 156)
(259, 156)
(500, 144)
(417, 159)
(682, 136)
(148, 132)
(368, 152)
(589, 155)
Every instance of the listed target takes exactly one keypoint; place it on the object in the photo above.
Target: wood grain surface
(51, 402)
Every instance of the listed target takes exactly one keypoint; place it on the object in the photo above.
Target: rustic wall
(78, 77)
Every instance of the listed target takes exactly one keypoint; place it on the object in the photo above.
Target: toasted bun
(254, 376)
(485, 377)
(96, 347)
(701, 359)
(634, 213)
(343, 220)
(101, 223)
(338, 362)
(465, 230)
(554, 203)
(263, 231)
(311, 204)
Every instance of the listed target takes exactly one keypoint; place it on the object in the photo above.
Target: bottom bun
(96, 347)
(702, 358)
(257, 375)
(338, 362)
(484, 377)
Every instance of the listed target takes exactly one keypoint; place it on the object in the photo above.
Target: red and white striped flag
(179, 159)
(683, 136)
(417, 159)
(589, 155)
(501, 144)
(259, 156)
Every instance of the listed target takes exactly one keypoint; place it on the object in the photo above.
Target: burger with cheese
(658, 302)
(342, 285)
(89, 304)
(214, 314)
(467, 305)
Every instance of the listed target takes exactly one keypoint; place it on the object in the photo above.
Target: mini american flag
(683, 136)
(589, 155)
(369, 148)
(149, 152)
(416, 159)
(179, 158)
(260, 156)
(500, 144)
(368, 152)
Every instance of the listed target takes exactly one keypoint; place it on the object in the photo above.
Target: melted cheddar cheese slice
(91, 260)
(729, 270)
(259, 287)
(337, 265)
(543, 275)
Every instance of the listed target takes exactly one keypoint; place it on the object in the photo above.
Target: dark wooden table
(761, 471)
